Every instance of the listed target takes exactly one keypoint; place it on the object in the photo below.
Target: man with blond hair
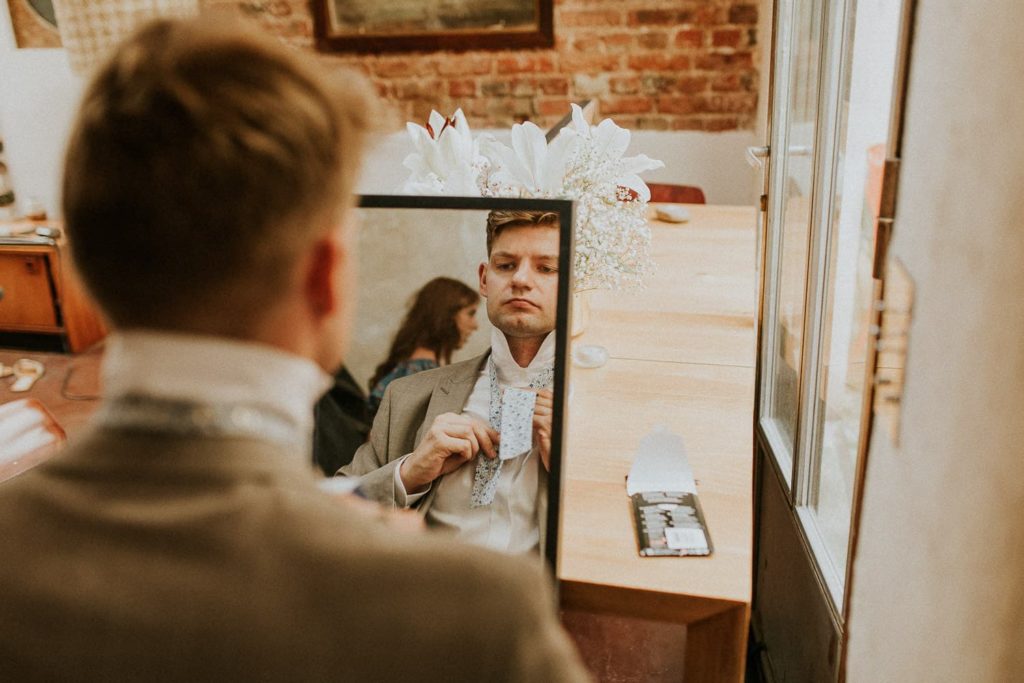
(435, 445)
(207, 199)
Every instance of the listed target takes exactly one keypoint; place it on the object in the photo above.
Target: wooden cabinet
(39, 293)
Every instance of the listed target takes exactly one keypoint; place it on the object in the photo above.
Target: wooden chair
(676, 194)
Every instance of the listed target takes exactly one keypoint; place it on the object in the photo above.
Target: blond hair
(203, 160)
(498, 221)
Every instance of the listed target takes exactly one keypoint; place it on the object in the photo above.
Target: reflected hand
(543, 411)
(451, 442)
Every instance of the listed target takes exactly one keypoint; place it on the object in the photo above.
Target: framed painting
(372, 26)
(34, 23)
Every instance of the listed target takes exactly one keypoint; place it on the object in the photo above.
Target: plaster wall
(937, 592)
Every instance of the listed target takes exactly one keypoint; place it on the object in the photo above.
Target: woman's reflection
(440, 320)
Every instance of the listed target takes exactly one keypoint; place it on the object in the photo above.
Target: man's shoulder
(428, 380)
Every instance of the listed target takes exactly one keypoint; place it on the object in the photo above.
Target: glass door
(835, 90)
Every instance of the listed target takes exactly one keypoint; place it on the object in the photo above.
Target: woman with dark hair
(440, 320)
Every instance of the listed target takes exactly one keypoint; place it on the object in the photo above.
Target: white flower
(447, 159)
(532, 165)
(585, 163)
(601, 158)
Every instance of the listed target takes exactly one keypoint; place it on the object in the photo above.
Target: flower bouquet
(583, 162)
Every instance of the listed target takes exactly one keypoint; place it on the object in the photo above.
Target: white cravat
(509, 523)
(214, 371)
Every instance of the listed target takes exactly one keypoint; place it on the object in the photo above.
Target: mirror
(460, 335)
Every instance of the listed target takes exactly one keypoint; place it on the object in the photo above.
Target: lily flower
(601, 157)
(447, 159)
(533, 166)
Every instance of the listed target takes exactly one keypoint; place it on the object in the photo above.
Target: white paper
(660, 465)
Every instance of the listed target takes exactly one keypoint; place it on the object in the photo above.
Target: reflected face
(465, 321)
(520, 280)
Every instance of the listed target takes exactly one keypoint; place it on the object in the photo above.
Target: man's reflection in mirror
(436, 440)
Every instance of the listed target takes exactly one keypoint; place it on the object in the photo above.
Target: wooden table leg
(716, 647)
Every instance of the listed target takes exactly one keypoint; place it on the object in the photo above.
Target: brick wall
(652, 64)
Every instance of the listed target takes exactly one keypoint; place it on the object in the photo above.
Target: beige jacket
(158, 558)
(407, 410)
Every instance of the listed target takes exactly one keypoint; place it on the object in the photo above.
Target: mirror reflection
(452, 374)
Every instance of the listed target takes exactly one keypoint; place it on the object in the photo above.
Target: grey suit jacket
(407, 410)
(160, 558)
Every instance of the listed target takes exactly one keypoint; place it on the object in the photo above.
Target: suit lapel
(452, 392)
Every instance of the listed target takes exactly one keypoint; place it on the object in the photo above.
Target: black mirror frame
(567, 220)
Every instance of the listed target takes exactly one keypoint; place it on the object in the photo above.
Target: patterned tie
(511, 414)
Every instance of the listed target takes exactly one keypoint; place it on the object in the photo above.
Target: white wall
(938, 591)
(38, 96)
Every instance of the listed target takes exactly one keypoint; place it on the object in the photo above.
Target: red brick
(724, 61)
(727, 103)
(651, 123)
(688, 38)
(653, 40)
(688, 123)
(553, 107)
(419, 89)
(720, 123)
(727, 37)
(676, 104)
(496, 87)
(654, 83)
(653, 17)
(626, 104)
(650, 61)
(743, 14)
(553, 85)
(464, 66)
(525, 64)
(589, 63)
(729, 82)
(587, 42)
(690, 84)
(680, 63)
(462, 88)
(625, 85)
(585, 85)
(617, 42)
(567, 18)
(709, 14)
(393, 68)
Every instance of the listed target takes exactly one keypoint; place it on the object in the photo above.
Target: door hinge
(886, 215)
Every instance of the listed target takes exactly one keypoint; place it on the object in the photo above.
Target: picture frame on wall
(372, 26)
(34, 23)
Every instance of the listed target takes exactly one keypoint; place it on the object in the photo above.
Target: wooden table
(39, 291)
(681, 355)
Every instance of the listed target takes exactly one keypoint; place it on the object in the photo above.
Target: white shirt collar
(212, 370)
(509, 371)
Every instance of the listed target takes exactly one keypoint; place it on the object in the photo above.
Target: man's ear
(482, 272)
(326, 257)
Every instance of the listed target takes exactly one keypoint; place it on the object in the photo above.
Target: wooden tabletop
(681, 355)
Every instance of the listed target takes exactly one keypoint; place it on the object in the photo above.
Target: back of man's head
(205, 159)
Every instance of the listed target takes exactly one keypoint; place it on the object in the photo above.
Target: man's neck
(524, 349)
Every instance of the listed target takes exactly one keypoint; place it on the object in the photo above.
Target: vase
(580, 312)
